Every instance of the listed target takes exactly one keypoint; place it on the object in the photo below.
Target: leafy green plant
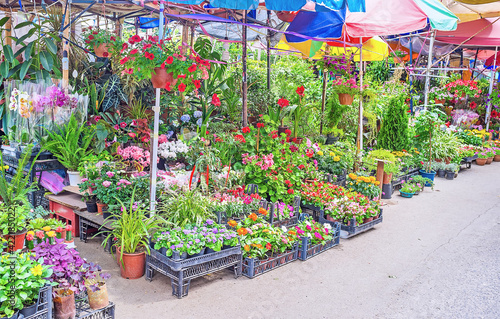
(182, 208)
(394, 132)
(13, 218)
(70, 143)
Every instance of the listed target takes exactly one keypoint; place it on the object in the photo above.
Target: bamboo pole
(244, 72)
(65, 59)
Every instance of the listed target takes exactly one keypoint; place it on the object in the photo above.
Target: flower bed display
(316, 238)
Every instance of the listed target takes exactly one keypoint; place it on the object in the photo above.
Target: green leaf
(23, 24)
(13, 70)
(51, 45)
(3, 21)
(27, 53)
(4, 69)
(26, 36)
(24, 68)
(46, 60)
(7, 51)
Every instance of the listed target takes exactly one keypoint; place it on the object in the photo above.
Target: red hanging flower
(192, 68)
(91, 37)
(283, 102)
(290, 191)
(182, 87)
(170, 60)
(95, 32)
(181, 76)
(167, 87)
(300, 90)
(112, 38)
(134, 51)
(472, 105)
(288, 132)
(197, 84)
(105, 54)
(215, 100)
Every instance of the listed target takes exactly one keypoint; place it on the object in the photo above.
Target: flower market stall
(186, 156)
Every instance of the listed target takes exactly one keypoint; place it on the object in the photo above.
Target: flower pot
(345, 99)
(407, 195)
(106, 215)
(298, 140)
(160, 77)
(489, 160)
(428, 175)
(91, 206)
(28, 310)
(282, 129)
(252, 119)
(132, 266)
(367, 220)
(387, 178)
(450, 175)
(441, 173)
(100, 207)
(64, 304)
(481, 161)
(98, 299)
(14, 316)
(74, 178)
(496, 158)
(102, 50)
(439, 101)
(331, 140)
(201, 253)
(18, 240)
(387, 191)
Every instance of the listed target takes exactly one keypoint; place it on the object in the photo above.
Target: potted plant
(13, 224)
(23, 277)
(277, 114)
(496, 158)
(297, 112)
(95, 283)
(132, 231)
(101, 41)
(439, 167)
(69, 144)
(408, 190)
(491, 155)
(164, 64)
(482, 158)
(346, 90)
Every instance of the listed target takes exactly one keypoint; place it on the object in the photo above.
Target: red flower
(447, 124)
(182, 87)
(301, 166)
(136, 38)
(283, 102)
(260, 125)
(268, 246)
(105, 54)
(91, 37)
(147, 46)
(124, 47)
(134, 51)
(472, 105)
(181, 76)
(288, 132)
(145, 139)
(129, 71)
(130, 40)
(274, 136)
(95, 32)
(131, 134)
(215, 100)
(87, 41)
(112, 38)
(290, 191)
(123, 124)
(300, 90)
(192, 68)
(124, 60)
(197, 84)
(167, 87)
(240, 138)
(245, 130)
(170, 60)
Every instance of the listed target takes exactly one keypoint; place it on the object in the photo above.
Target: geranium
(300, 90)
(283, 102)
(215, 100)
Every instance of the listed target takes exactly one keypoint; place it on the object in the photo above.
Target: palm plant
(70, 143)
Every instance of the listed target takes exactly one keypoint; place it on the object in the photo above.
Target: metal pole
(409, 74)
(360, 128)
(429, 65)
(268, 50)
(244, 71)
(156, 128)
(492, 81)
(323, 101)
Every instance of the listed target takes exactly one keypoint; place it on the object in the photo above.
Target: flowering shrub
(134, 157)
(460, 88)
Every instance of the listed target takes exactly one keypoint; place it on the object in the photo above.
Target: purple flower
(197, 241)
(210, 222)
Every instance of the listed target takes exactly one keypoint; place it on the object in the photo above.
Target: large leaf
(7, 51)
(46, 60)
(51, 45)
(4, 69)
(24, 68)
(23, 24)
(13, 70)
(3, 21)
(26, 36)
(27, 53)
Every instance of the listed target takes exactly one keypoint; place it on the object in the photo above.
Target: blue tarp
(322, 25)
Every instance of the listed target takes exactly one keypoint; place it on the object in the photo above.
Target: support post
(8, 29)
(428, 71)
(409, 74)
(323, 102)
(65, 59)
(244, 71)
(360, 126)
(268, 51)
(380, 174)
(492, 81)
(156, 128)
(185, 37)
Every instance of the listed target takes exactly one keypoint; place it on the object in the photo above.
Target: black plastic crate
(253, 267)
(279, 221)
(43, 304)
(353, 229)
(83, 310)
(182, 271)
(306, 250)
(314, 211)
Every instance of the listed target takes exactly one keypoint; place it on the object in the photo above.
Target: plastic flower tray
(182, 271)
(83, 310)
(353, 229)
(253, 267)
(278, 221)
(43, 304)
(306, 250)
(314, 211)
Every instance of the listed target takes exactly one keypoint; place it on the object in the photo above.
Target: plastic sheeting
(418, 42)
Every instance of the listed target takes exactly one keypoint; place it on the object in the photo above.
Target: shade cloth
(281, 5)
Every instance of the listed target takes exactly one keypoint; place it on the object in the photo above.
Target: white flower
(283, 229)
(327, 226)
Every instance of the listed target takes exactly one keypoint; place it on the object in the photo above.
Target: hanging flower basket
(345, 99)
(160, 77)
(102, 50)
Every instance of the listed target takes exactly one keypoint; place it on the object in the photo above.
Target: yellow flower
(31, 233)
(51, 233)
(332, 154)
(320, 153)
(336, 158)
(352, 176)
(4, 168)
(37, 270)
(377, 183)
(46, 228)
(372, 178)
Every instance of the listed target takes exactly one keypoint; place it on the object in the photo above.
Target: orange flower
(232, 223)
(263, 211)
(247, 248)
(291, 232)
(253, 216)
(259, 246)
(242, 231)
(265, 231)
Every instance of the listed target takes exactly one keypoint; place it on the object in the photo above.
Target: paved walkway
(434, 256)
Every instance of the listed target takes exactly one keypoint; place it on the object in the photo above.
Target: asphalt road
(436, 255)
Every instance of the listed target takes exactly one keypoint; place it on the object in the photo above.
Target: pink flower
(116, 127)
(317, 235)
(162, 139)
(84, 180)
(106, 184)
(123, 124)
(110, 174)
(308, 227)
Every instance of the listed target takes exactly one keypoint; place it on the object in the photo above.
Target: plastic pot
(91, 206)
(133, 265)
(387, 191)
(430, 176)
(406, 195)
(441, 173)
(160, 77)
(450, 175)
(102, 50)
(98, 299)
(18, 240)
(28, 311)
(14, 316)
(64, 304)
(74, 178)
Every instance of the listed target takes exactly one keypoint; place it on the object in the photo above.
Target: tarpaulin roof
(281, 5)
(473, 9)
(382, 17)
(478, 33)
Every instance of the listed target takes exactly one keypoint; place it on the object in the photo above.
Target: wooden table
(93, 221)
(63, 207)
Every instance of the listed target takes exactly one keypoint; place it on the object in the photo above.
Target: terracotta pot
(387, 178)
(100, 207)
(18, 240)
(489, 160)
(64, 306)
(367, 220)
(496, 158)
(345, 99)
(133, 265)
(160, 77)
(98, 299)
(481, 161)
(438, 160)
(102, 50)
(439, 101)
